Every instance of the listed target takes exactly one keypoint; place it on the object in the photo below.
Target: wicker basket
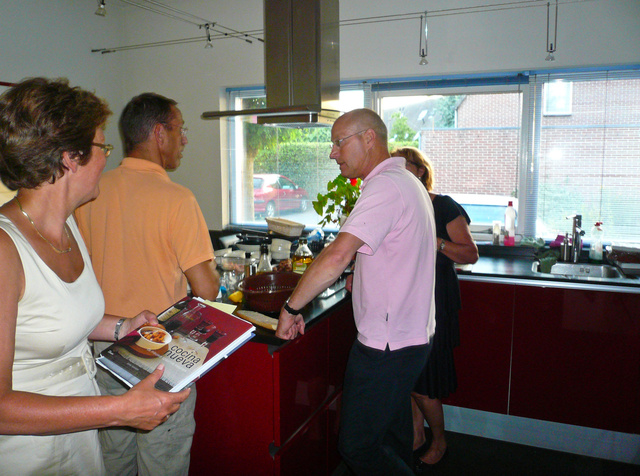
(268, 292)
(285, 227)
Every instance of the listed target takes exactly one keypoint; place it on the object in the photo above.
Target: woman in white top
(52, 152)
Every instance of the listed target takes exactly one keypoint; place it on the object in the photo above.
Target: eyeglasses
(338, 142)
(183, 130)
(106, 148)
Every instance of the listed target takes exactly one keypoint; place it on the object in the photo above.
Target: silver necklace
(57, 250)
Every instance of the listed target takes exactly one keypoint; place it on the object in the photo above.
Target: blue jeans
(376, 430)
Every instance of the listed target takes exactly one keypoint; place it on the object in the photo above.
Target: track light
(551, 42)
(209, 44)
(422, 51)
(101, 11)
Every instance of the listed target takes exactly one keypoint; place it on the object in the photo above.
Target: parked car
(273, 193)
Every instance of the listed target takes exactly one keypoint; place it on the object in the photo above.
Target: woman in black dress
(438, 378)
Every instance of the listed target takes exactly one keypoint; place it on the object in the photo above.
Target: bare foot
(417, 443)
(434, 454)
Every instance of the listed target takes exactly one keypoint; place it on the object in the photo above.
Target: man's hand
(289, 326)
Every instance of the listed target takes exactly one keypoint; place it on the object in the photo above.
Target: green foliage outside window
(306, 163)
(400, 130)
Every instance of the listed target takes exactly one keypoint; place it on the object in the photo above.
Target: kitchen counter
(514, 266)
(312, 313)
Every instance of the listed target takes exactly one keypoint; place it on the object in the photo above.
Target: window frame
(529, 83)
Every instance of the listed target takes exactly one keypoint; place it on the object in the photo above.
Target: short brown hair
(141, 115)
(417, 158)
(40, 119)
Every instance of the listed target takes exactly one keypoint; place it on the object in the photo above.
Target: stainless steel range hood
(302, 64)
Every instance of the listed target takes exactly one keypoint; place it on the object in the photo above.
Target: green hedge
(306, 163)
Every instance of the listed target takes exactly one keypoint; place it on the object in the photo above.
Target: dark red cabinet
(274, 411)
(549, 353)
(576, 357)
(482, 360)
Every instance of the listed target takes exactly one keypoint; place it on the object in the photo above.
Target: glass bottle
(302, 258)
(249, 268)
(595, 248)
(510, 225)
(264, 264)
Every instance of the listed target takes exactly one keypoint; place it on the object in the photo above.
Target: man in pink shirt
(391, 230)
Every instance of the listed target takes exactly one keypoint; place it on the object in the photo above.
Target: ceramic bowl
(153, 338)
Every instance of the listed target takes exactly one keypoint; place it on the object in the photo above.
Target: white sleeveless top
(53, 357)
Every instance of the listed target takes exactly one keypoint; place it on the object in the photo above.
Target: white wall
(55, 37)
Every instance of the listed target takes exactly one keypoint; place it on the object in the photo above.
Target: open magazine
(193, 338)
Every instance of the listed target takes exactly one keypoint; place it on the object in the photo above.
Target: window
(278, 170)
(587, 163)
(555, 144)
(557, 98)
(471, 136)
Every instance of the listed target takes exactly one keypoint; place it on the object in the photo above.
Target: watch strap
(116, 331)
(290, 310)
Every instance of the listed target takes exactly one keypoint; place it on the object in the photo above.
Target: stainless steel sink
(583, 270)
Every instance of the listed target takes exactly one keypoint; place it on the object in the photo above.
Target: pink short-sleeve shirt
(394, 278)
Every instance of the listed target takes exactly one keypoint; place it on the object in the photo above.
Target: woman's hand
(145, 317)
(146, 407)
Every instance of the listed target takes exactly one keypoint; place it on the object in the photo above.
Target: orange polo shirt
(143, 231)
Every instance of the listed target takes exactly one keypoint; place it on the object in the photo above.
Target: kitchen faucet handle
(577, 219)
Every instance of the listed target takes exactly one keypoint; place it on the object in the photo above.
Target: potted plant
(335, 205)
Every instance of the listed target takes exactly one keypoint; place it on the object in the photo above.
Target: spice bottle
(302, 258)
(264, 265)
(249, 268)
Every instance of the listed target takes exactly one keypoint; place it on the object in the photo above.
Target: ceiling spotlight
(551, 42)
(422, 50)
(101, 11)
(209, 44)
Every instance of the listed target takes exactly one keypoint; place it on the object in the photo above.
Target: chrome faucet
(576, 237)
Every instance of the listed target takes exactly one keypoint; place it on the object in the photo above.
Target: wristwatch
(441, 246)
(116, 331)
(290, 310)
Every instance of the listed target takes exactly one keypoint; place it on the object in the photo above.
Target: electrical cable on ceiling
(189, 18)
(256, 34)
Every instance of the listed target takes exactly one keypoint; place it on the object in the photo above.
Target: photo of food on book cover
(192, 338)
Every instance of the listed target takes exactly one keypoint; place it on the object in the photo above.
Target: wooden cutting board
(258, 319)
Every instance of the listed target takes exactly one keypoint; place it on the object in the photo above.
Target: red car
(273, 193)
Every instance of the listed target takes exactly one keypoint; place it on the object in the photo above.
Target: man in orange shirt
(147, 238)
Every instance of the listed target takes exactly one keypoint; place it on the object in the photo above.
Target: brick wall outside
(583, 166)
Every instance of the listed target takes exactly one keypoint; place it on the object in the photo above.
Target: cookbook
(192, 338)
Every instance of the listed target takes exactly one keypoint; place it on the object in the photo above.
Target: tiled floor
(475, 456)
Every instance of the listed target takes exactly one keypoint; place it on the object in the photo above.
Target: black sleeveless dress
(438, 378)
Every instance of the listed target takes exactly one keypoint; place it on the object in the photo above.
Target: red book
(193, 338)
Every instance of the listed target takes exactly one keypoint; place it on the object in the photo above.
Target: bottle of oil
(302, 258)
